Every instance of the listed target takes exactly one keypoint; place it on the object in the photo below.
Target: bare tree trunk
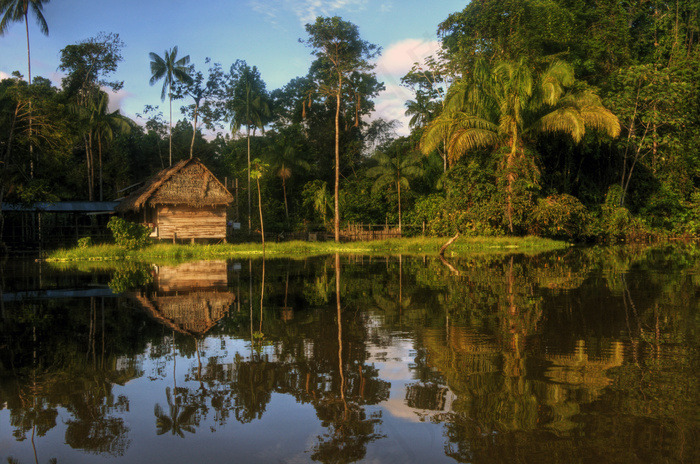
(29, 82)
(398, 184)
(284, 191)
(336, 221)
(88, 160)
(262, 228)
(249, 202)
(194, 130)
(99, 148)
(170, 125)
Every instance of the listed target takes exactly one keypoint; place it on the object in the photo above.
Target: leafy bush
(615, 221)
(689, 219)
(128, 235)
(561, 217)
(84, 242)
(130, 276)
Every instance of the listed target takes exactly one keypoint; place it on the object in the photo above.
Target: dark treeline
(564, 119)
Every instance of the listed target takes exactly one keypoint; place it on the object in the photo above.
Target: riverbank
(300, 249)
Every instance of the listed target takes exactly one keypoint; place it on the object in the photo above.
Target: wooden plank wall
(188, 222)
(194, 275)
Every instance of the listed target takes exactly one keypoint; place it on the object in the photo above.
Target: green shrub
(616, 222)
(130, 276)
(688, 222)
(84, 242)
(128, 235)
(560, 217)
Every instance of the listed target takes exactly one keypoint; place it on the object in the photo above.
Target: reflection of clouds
(398, 408)
(394, 365)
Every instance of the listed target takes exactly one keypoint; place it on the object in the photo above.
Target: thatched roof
(187, 182)
(192, 313)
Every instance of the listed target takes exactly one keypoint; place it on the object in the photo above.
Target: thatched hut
(184, 201)
(190, 298)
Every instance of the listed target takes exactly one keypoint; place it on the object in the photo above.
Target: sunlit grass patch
(299, 249)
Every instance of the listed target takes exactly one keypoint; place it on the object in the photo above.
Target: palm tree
(507, 107)
(102, 123)
(285, 160)
(421, 110)
(14, 11)
(257, 172)
(170, 69)
(18, 10)
(395, 172)
(322, 200)
(248, 107)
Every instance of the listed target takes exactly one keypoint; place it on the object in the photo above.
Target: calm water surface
(582, 356)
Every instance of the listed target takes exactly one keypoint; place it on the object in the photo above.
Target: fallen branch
(449, 242)
(452, 269)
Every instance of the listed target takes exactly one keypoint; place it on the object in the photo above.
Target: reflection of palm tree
(179, 419)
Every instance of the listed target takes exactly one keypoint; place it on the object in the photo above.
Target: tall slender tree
(204, 94)
(285, 159)
(247, 106)
(18, 10)
(14, 11)
(103, 124)
(339, 52)
(257, 172)
(170, 69)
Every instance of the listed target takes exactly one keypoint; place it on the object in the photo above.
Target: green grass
(299, 249)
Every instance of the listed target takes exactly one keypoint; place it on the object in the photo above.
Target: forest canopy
(566, 119)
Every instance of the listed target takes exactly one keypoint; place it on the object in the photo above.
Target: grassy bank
(299, 249)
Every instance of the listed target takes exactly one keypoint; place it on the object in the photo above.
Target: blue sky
(264, 33)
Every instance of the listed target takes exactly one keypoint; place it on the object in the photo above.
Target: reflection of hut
(190, 298)
(184, 201)
(578, 369)
(427, 396)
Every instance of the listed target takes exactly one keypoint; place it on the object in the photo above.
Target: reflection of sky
(410, 435)
(286, 432)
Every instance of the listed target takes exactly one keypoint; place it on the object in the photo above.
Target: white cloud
(394, 63)
(398, 58)
(116, 99)
(305, 10)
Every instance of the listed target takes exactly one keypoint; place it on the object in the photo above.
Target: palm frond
(601, 119)
(567, 120)
(435, 133)
(465, 140)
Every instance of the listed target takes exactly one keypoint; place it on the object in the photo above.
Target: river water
(588, 355)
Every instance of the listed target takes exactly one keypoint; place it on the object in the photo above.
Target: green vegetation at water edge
(302, 249)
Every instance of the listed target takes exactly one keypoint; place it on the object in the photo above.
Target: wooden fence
(350, 233)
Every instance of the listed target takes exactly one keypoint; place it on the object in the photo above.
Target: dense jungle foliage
(560, 118)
